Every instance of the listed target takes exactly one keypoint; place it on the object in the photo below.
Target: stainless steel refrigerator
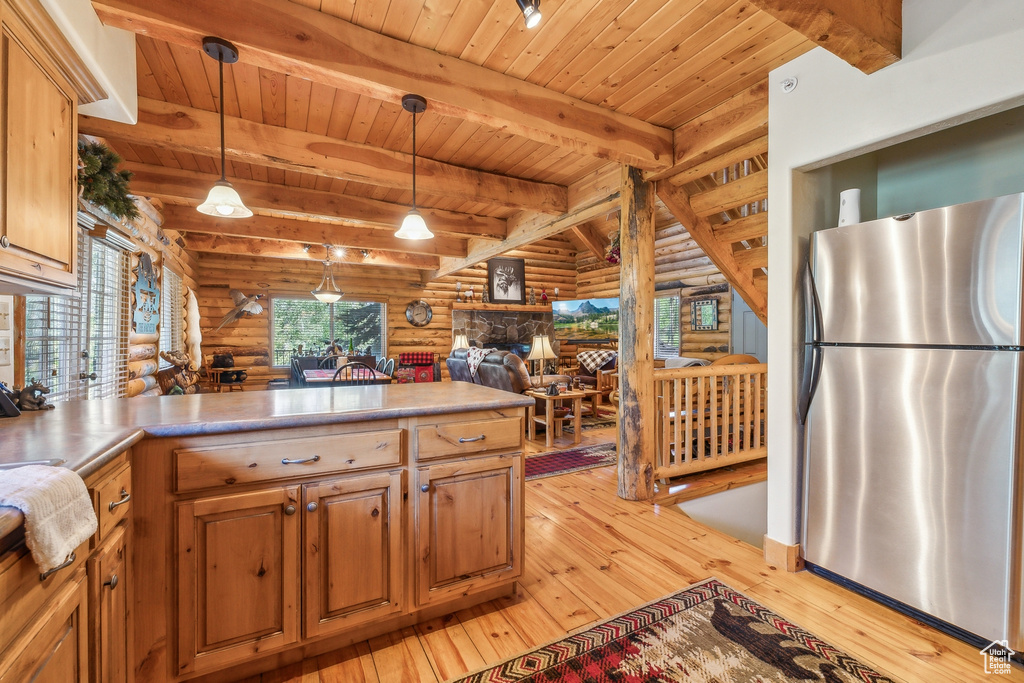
(912, 408)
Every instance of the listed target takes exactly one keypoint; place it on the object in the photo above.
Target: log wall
(677, 260)
(549, 264)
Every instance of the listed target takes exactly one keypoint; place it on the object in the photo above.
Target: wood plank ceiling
(657, 64)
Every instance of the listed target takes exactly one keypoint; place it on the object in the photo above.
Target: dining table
(326, 376)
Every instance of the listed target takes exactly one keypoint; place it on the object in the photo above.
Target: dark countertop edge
(12, 518)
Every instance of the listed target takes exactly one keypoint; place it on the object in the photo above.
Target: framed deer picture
(506, 280)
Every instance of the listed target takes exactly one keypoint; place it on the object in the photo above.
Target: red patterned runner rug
(569, 460)
(708, 633)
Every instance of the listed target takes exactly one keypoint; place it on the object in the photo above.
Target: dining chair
(389, 367)
(354, 374)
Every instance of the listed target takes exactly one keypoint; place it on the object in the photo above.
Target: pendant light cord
(414, 160)
(220, 67)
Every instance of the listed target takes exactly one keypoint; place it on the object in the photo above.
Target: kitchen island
(271, 526)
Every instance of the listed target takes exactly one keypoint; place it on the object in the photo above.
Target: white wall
(962, 59)
(7, 340)
(109, 53)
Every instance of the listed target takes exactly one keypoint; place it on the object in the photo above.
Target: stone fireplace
(504, 330)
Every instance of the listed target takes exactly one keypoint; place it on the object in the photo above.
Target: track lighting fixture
(413, 226)
(223, 200)
(531, 12)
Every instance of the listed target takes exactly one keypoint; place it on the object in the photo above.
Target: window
(172, 313)
(312, 325)
(68, 338)
(666, 326)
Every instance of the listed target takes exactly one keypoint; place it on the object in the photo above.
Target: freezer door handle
(808, 381)
(812, 308)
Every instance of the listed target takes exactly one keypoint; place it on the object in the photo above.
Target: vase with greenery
(100, 181)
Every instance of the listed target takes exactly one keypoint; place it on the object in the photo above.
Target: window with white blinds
(312, 325)
(666, 326)
(77, 345)
(172, 313)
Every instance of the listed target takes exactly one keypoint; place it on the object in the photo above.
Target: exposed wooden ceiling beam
(527, 230)
(741, 191)
(677, 201)
(170, 126)
(592, 238)
(867, 34)
(187, 219)
(288, 38)
(247, 246)
(732, 124)
(180, 185)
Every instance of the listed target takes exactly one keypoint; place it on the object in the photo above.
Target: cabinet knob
(112, 583)
(290, 510)
(4, 241)
(311, 507)
(425, 488)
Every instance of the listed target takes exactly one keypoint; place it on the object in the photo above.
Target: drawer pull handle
(425, 488)
(311, 507)
(125, 497)
(67, 563)
(290, 510)
(112, 583)
(301, 461)
(471, 439)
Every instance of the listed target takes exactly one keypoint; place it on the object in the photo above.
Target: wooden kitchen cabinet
(238, 577)
(109, 610)
(352, 552)
(53, 648)
(38, 154)
(469, 525)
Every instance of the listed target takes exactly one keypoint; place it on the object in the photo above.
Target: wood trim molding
(782, 556)
(50, 38)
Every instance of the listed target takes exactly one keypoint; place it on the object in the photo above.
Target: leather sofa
(500, 370)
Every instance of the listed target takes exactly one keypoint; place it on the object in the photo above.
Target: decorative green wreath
(101, 182)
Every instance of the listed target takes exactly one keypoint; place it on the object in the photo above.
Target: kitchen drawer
(111, 498)
(465, 438)
(23, 593)
(244, 463)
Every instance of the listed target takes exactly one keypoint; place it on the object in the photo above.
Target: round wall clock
(418, 313)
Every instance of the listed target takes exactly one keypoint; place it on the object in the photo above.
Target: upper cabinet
(42, 82)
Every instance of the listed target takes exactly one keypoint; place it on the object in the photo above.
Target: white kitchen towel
(57, 508)
(685, 362)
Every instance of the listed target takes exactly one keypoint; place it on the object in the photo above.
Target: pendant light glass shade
(327, 291)
(223, 201)
(414, 227)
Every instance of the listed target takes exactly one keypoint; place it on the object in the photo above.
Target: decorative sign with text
(146, 314)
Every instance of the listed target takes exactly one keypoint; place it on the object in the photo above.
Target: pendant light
(413, 225)
(222, 201)
(327, 291)
(531, 12)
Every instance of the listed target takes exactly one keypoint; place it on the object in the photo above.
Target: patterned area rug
(605, 418)
(569, 460)
(707, 633)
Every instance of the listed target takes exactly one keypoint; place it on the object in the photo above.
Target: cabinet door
(238, 577)
(53, 648)
(469, 532)
(39, 161)
(353, 560)
(109, 630)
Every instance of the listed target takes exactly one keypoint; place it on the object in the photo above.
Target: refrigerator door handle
(812, 308)
(808, 381)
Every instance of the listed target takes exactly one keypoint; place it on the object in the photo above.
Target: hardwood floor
(591, 555)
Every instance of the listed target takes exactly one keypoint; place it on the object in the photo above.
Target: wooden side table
(549, 420)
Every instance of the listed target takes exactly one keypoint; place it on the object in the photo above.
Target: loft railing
(709, 417)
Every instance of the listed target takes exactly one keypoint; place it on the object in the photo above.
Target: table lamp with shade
(461, 342)
(540, 350)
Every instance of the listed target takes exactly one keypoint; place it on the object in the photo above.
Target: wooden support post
(636, 341)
